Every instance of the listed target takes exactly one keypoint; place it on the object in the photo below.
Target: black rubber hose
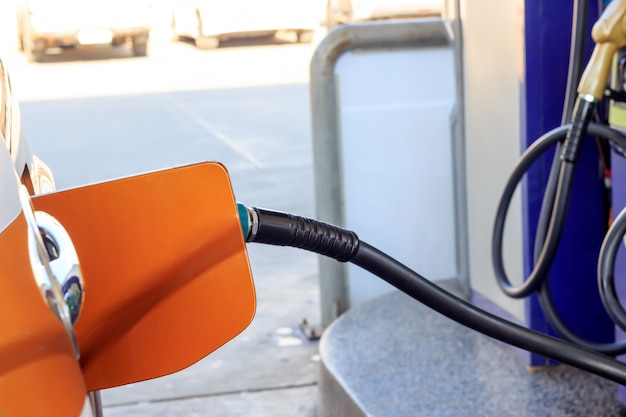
(549, 231)
(576, 56)
(545, 297)
(557, 214)
(605, 132)
(548, 201)
(281, 229)
(606, 267)
(575, 69)
(577, 50)
(534, 280)
(540, 282)
(422, 290)
(548, 245)
(559, 326)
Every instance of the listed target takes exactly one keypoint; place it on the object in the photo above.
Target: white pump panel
(395, 113)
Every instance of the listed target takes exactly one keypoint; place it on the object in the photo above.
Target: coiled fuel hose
(284, 229)
(277, 228)
(606, 267)
(609, 34)
(549, 234)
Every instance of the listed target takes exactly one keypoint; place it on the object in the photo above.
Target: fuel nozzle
(284, 229)
(609, 34)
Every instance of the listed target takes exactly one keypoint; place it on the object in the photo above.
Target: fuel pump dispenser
(561, 259)
(609, 56)
(609, 35)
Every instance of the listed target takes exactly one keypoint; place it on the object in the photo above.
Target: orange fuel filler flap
(166, 273)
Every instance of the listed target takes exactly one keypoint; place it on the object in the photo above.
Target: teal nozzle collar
(244, 219)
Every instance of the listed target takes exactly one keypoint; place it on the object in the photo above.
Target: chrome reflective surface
(63, 261)
(55, 265)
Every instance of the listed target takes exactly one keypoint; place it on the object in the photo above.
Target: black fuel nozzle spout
(284, 229)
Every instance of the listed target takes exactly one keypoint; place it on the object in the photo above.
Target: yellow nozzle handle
(609, 33)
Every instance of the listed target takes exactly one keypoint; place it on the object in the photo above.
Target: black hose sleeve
(422, 290)
(583, 111)
(284, 229)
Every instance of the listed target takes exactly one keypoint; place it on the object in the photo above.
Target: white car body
(377, 9)
(348, 11)
(45, 24)
(236, 18)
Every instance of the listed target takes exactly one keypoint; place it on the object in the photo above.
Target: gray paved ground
(275, 403)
